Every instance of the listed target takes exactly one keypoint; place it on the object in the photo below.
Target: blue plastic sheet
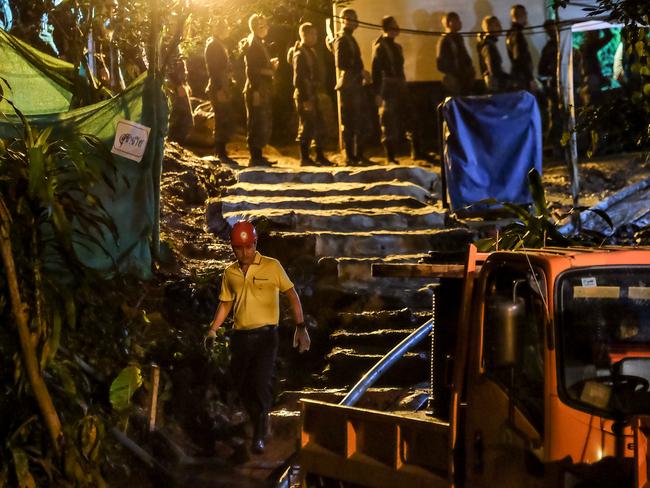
(490, 145)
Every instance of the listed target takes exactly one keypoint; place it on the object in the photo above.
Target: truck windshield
(604, 340)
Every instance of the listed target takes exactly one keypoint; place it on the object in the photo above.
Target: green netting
(36, 82)
(134, 205)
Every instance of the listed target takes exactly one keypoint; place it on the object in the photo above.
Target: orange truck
(546, 381)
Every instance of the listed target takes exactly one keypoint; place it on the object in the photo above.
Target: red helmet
(243, 234)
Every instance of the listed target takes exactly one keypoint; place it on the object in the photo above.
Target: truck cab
(547, 383)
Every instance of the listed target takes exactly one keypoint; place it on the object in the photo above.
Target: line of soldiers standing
(386, 80)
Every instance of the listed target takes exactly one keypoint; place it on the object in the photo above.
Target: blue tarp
(490, 145)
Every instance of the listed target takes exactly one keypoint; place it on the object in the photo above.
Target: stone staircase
(328, 225)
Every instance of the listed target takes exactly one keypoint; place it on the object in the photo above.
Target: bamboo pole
(153, 404)
(27, 347)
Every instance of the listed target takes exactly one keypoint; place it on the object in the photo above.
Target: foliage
(539, 227)
(124, 386)
(623, 122)
(47, 188)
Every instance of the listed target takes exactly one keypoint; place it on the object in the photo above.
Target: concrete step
(341, 220)
(384, 339)
(352, 269)
(347, 366)
(374, 398)
(381, 320)
(427, 178)
(308, 190)
(372, 244)
(247, 203)
(353, 300)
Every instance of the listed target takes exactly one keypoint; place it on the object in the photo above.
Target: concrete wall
(426, 15)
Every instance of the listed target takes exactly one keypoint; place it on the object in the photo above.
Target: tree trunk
(27, 347)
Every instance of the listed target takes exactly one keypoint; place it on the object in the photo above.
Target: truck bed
(372, 448)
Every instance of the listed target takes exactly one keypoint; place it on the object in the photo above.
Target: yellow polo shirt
(256, 295)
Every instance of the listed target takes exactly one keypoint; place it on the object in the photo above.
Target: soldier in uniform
(521, 72)
(258, 89)
(496, 80)
(351, 78)
(217, 62)
(389, 83)
(453, 59)
(181, 118)
(308, 82)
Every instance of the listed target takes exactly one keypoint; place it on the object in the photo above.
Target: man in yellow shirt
(251, 288)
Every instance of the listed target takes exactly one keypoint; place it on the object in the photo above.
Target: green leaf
(21, 465)
(123, 387)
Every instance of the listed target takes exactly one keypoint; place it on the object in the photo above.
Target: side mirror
(506, 316)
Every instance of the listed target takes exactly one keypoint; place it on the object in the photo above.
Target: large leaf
(124, 386)
(21, 465)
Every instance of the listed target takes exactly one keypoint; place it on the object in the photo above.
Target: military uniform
(308, 84)
(496, 80)
(258, 96)
(181, 119)
(217, 63)
(389, 83)
(453, 61)
(521, 73)
(347, 57)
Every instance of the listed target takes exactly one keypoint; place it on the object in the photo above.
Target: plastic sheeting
(34, 81)
(490, 145)
(134, 205)
(630, 206)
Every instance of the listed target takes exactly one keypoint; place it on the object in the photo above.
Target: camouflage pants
(393, 115)
(351, 116)
(223, 123)
(259, 118)
(311, 126)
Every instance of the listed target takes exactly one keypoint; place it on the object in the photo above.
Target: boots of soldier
(222, 154)
(257, 159)
(350, 159)
(321, 159)
(390, 153)
(305, 160)
(360, 158)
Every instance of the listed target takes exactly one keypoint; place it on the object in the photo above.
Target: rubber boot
(256, 158)
(350, 159)
(260, 431)
(390, 153)
(222, 154)
(321, 159)
(305, 160)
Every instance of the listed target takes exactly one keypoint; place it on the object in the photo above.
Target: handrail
(386, 362)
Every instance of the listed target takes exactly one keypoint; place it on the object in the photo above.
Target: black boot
(350, 159)
(390, 153)
(256, 158)
(305, 160)
(360, 158)
(321, 159)
(222, 154)
(260, 431)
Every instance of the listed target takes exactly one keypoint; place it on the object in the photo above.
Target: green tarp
(134, 205)
(36, 82)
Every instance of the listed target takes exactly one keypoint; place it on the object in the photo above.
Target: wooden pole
(153, 403)
(28, 349)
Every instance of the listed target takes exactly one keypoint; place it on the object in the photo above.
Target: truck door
(504, 411)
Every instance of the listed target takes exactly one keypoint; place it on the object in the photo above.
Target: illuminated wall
(426, 15)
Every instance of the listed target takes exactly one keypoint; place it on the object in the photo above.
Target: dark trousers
(259, 118)
(311, 125)
(393, 117)
(223, 124)
(252, 367)
(351, 115)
